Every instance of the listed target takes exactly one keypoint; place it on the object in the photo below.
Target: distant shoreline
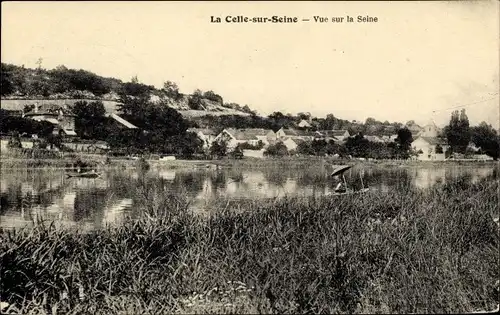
(65, 163)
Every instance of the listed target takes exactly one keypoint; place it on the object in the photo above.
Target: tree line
(163, 130)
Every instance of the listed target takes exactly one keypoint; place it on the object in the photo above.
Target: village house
(87, 146)
(62, 119)
(292, 144)
(232, 137)
(207, 136)
(306, 135)
(428, 148)
(389, 139)
(374, 139)
(340, 135)
(304, 124)
(414, 128)
(121, 122)
(431, 130)
(326, 135)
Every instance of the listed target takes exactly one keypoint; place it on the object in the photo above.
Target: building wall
(280, 133)
(254, 153)
(271, 136)
(421, 145)
(429, 131)
(67, 123)
(207, 139)
(3, 145)
(428, 150)
(290, 144)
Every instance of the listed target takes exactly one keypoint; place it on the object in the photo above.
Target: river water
(27, 195)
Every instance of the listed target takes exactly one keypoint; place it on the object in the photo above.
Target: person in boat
(340, 188)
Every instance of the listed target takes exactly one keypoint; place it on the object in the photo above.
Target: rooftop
(298, 133)
(248, 134)
(333, 133)
(433, 140)
(48, 109)
(205, 131)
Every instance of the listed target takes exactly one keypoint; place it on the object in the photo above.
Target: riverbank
(288, 162)
(429, 251)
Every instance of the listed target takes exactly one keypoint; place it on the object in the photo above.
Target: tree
(277, 149)
(458, 132)
(403, 143)
(237, 153)
(218, 149)
(54, 140)
(357, 146)
(7, 84)
(195, 102)
(486, 138)
(404, 138)
(184, 145)
(90, 120)
(21, 125)
(305, 148)
(333, 148)
(304, 116)
(439, 149)
(371, 121)
(319, 147)
(15, 141)
(136, 89)
(211, 95)
(172, 90)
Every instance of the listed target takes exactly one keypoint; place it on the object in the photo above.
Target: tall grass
(399, 252)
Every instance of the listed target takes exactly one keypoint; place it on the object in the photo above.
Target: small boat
(91, 174)
(339, 171)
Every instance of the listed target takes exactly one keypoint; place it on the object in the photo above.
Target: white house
(388, 139)
(427, 147)
(60, 117)
(341, 135)
(252, 136)
(431, 130)
(306, 135)
(374, 139)
(304, 124)
(292, 144)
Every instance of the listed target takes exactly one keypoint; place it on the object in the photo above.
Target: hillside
(23, 86)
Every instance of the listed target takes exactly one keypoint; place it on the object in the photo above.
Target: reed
(399, 252)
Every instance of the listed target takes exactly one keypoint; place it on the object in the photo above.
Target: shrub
(278, 149)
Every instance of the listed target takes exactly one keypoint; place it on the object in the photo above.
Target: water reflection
(28, 195)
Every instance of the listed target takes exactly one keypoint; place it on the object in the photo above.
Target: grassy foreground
(434, 251)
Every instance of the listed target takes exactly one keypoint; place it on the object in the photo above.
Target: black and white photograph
(239, 157)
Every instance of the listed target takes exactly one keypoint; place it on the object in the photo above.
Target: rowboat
(91, 174)
(339, 171)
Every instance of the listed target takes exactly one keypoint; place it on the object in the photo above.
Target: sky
(416, 63)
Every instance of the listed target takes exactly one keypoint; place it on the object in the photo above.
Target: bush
(218, 149)
(237, 153)
(210, 95)
(15, 141)
(278, 149)
(194, 102)
(248, 146)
